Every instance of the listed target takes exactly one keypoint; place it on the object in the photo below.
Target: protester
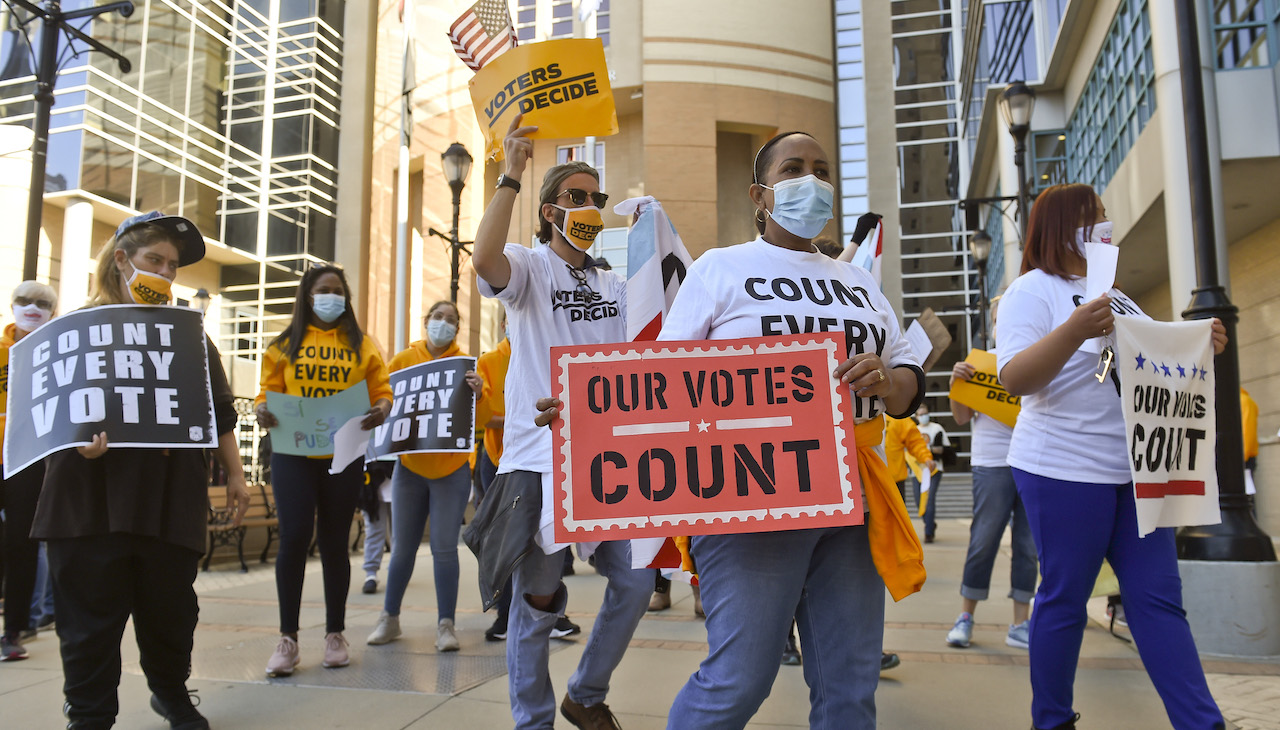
(323, 349)
(902, 436)
(33, 304)
(754, 583)
(126, 526)
(1249, 432)
(938, 442)
(435, 485)
(555, 294)
(1070, 463)
(995, 505)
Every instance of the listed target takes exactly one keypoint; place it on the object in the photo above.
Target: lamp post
(1237, 537)
(1016, 105)
(456, 162)
(202, 299)
(54, 22)
(980, 249)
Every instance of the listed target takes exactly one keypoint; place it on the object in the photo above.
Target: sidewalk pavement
(406, 684)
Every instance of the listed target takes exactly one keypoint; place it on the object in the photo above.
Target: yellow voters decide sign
(984, 393)
(561, 87)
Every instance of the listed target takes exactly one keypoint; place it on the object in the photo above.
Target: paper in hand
(919, 341)
(1102, 269)
(349, 443)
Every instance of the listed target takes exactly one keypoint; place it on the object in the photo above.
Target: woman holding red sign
(753, 583)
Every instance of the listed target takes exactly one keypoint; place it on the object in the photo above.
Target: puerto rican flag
(656, 265)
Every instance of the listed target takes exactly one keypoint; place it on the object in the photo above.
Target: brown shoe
(595, 717)
(660, 601)
(697, 602)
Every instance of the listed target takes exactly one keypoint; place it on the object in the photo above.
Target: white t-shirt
(1072, 429)
(545, 308)
(757, 289)
(990, 446)
(934, 435)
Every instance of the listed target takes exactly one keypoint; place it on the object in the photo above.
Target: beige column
(77, 255)
(15, 175)
(355, 149)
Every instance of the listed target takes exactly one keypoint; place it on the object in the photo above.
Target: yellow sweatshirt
(900, 436)
(492, 366)
(326, 364)
(430, 466)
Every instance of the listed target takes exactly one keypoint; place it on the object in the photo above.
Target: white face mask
(440, 332)
(803, 205)
(1099, 232)
(29, 317)
(924, 420)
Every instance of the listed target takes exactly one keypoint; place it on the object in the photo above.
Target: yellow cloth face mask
(148, 288)
(581, 226)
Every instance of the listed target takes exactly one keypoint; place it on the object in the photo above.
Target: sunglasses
(579, 197)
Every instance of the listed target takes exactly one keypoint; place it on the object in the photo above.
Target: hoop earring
(759, 218)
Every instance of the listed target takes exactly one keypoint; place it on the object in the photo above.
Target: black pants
(309, 498)
(18, 497)
(98, 582)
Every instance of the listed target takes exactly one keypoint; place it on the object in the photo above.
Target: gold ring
(881, 374)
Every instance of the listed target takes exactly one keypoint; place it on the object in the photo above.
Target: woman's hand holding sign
(266, 418)
(1219, 336)
(95, 449)
(474, 381)
(376, 415)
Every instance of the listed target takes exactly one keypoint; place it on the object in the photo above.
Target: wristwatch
(507, 182)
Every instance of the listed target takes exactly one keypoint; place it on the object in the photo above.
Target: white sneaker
(285, 658)
(1019, 636)
(387, 630)
(446, 640)
(335, 651)
(962, 633)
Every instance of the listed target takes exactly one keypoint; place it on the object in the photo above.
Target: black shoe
(1068, 725)
(888, 660)
(497, 632)
(791, 654)
(370, 586)
(180, 712)
(565, 628)
(928, 538)
(567, 570)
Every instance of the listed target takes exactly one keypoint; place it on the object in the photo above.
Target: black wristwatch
(506, 182)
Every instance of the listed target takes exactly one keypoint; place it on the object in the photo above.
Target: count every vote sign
(139, 373)
(659, 439)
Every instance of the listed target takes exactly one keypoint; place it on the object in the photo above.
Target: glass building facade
(228, 117)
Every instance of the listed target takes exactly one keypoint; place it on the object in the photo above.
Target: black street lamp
(980, 249)
(1016, 105)
(54, 22)
(456, 162)
(1238, 536)
(201, 299)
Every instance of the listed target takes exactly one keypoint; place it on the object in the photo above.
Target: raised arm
(487, 257)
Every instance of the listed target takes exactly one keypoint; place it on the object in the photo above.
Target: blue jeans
(930, 523)
(413, 499)
(995, 503)
(375, 537)
(1075, 526)
(533, 701)
(752, 584)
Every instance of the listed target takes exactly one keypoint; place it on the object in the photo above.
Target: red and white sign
(658, 439)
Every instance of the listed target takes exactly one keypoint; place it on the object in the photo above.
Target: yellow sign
(561, 87)
(984, 393)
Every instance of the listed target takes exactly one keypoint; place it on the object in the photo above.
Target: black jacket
(502, 532)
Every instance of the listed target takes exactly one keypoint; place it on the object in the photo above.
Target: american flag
(483, 33)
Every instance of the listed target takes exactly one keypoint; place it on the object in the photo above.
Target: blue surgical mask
(802, 206)
(328, 307)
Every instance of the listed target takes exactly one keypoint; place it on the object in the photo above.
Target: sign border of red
(703, 523)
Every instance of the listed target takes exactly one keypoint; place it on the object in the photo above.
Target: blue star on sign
(1194, 371)
(1182, 372)
(1165, 368)
(1141, 361)
(1203, 372)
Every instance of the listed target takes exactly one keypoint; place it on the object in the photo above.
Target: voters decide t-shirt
(756, 289)
(1072, 429)
(547, 307)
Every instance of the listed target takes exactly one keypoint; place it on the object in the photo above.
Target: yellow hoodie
(432, 466)
(6, 341)
(326, 364)
(492, 367)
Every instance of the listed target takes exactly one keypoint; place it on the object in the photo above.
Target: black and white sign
(433, 410)
(139, 373)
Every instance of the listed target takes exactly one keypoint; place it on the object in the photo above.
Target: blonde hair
(108, 284)
(31, 289)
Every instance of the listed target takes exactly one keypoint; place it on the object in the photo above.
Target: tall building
(233, 116)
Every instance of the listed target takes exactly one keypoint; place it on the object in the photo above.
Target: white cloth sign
(656, 265)
(1167, 381)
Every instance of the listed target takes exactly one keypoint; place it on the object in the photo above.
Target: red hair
(1051, 230)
